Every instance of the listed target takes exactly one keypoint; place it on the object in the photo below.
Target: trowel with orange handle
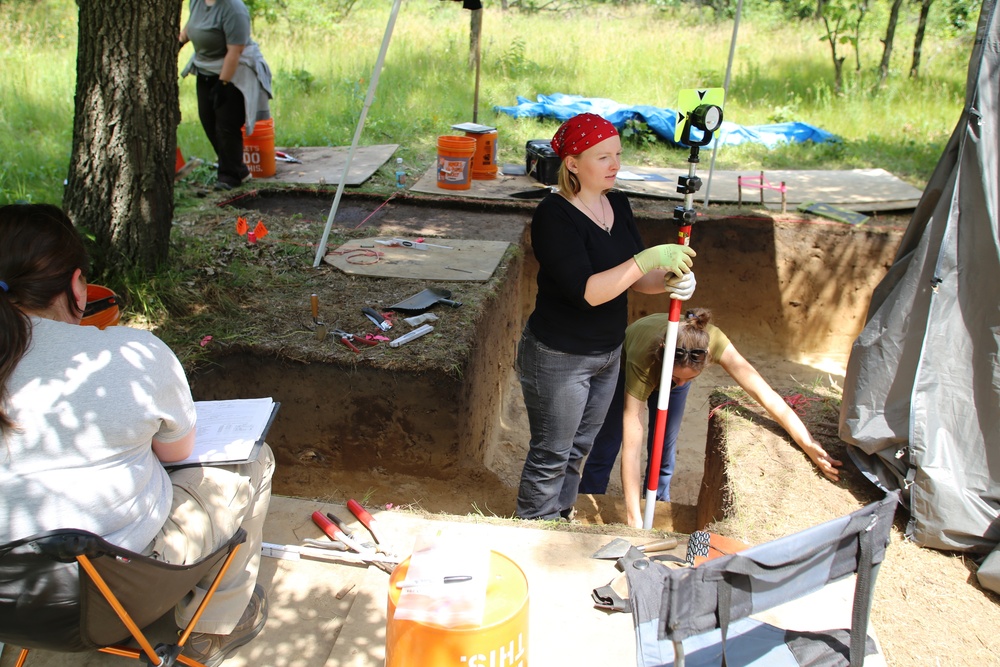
(320, 329)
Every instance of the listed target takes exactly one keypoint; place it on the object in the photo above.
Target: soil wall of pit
(432, 423)
(794, 289)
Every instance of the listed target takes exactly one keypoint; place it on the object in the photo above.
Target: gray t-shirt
(212, 27)
(87, 404)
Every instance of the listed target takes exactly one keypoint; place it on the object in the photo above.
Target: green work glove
(672, 257)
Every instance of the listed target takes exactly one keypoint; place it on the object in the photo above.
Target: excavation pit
(439, 423)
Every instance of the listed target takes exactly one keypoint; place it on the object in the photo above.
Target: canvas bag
(700, 615)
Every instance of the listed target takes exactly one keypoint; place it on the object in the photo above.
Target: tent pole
(725, 89)
(321, 250)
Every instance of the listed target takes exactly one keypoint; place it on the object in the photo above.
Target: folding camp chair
(71, 591)
(684, 616)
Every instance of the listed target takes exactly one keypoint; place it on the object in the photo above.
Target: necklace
(598, 219)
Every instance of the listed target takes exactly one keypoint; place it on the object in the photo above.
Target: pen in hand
(453, 579)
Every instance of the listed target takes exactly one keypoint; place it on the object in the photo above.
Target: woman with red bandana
(589, 254)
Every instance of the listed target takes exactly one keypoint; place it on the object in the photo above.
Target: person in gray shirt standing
(233, 81)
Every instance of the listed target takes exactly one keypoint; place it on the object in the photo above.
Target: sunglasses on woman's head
(696, 355)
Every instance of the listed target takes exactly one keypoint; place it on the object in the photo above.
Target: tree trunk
(918, 39)
(121, 174)
(890, 34)
(862, 10)
(832, 36)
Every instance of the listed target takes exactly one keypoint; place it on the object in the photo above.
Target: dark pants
(607, 444)
(222, 117)
(566, 396)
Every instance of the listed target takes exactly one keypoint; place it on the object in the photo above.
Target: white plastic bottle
(400, 173)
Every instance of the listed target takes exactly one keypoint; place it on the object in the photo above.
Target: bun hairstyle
(692, 335)
(39, 252)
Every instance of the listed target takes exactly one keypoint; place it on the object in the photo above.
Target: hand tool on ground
(416, 333)
(367, 544)
(295, 552)
(366, 519)
(335, 533)
(421, 301)
(320, 329)
(534, 193)
(707, 118)
(349, 338)
(350, 533)
(618, 547)
(376, 318)
(333, 545)
(406, 243)
(285, 157)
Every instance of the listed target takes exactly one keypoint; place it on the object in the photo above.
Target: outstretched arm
(752, 383)
(633, 418)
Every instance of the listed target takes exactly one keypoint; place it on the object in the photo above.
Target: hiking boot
(211, 650)
(226, 185)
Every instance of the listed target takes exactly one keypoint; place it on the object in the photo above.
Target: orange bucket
(484, 162)
(501, 639)
(102, 308)
(454, 159)
(258, 149)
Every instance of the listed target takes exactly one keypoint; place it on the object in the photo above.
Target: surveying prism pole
(706, 118)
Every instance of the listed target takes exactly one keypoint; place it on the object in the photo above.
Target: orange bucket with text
(484, 162)
(454, 162)
(102, 308)
(501, 639)
(258, 149)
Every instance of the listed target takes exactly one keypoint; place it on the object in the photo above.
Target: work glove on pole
(680, 288)
(672, 257)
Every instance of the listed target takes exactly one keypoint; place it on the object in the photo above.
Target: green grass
(634, 55)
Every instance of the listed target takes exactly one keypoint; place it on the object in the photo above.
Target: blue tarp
(661, 121)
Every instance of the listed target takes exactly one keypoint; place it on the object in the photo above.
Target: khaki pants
(209, 505)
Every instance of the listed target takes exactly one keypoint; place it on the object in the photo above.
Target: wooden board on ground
(855, 189)
(463, 259)
(324, 165)
(501, 187)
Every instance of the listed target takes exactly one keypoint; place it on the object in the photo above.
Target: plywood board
(462, 260)
(324, 165)
(856, 189)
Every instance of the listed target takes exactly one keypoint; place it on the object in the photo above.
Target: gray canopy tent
(921, 404)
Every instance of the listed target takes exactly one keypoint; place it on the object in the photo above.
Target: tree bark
(918, 38)
(890, 34)
(121, 175)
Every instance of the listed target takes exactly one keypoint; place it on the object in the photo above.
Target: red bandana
(580, 133)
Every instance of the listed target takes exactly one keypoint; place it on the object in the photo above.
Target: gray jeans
(567, 398)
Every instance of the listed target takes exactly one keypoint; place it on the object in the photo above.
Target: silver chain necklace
(598, 219)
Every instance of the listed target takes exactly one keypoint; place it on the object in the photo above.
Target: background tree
(120, 184)
(918, 38)
(835, 23)
(890, 33)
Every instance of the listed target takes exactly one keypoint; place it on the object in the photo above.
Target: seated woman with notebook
(89, 417)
